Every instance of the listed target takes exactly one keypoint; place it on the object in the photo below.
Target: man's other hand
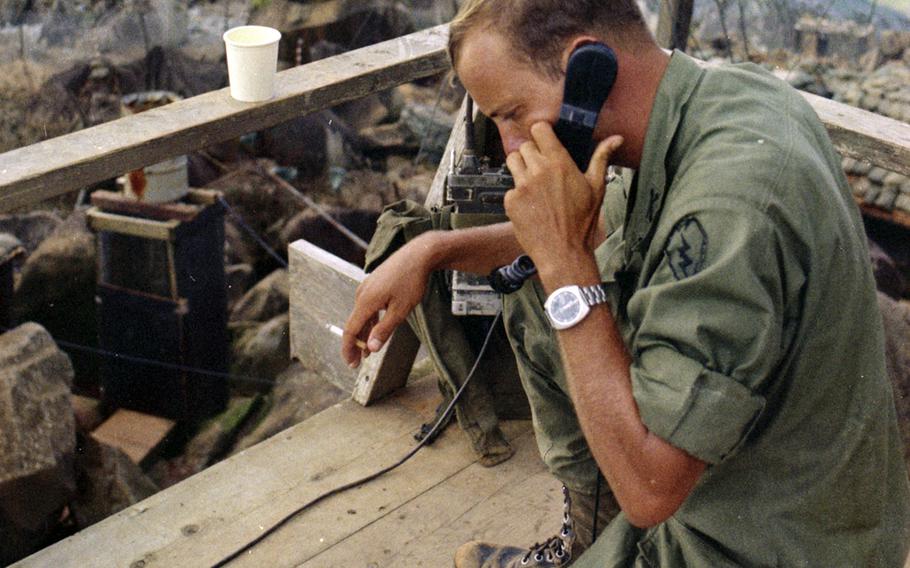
(396, 287)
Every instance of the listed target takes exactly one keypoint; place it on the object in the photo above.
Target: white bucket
(159, 183)
(252, 59)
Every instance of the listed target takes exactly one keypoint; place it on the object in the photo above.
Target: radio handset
(590, 74)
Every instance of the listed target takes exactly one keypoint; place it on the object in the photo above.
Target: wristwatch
(569, 305)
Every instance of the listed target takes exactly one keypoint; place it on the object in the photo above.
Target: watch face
(565, 307)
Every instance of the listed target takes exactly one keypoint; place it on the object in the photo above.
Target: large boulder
(264, 301)
(108, 482)
(209, 443)
(57, 289)
(298, 394)
(30, 228)
(316, 229)
(260, 352)
(238, 278)
(38, 441)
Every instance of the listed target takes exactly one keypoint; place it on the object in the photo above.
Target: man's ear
(574, 44)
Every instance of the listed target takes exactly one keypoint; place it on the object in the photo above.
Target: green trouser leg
(453, 358)
(561, 443)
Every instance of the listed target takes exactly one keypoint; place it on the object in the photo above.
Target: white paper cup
(252, 59)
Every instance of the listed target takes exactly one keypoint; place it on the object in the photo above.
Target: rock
(877, 175)
(886, 198)
(298, 394)
(88, 413)
(260, 204)
(9, 246)
(905, 187)
(108, 482)
(894, 180)
(239, 248)
(410, 181)
(366, 189)
(871, 194)
(902, 202)
(314, 228)
(848, 164)
(38, 441)
(368, 111)
(57, 289)
(264, 301)
(431, 126)
(299, 143)
(386, 139)
(211, 442)
(239, 278)
(260, 352)
(896, 319)
(870, 101)
(892, 44)
(888, 277)
(862, 168)
(30, 228)
(422, 128)
(861, 187)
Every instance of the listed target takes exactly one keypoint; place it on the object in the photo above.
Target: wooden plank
(517, 502)
(673, 23)
(341, 533)
(54, 167)
(322, 293)
(203, 519)
(134, 226)
(387, 371)
(864, 135)
(135, 433)
(118, 203)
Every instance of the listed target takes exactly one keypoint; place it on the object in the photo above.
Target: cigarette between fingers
(338, 331)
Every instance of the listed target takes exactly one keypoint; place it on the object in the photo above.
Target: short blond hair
(539, 29)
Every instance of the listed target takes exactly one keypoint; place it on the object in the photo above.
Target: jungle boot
(575, 536)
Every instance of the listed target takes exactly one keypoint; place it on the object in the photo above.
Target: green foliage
(257, 4)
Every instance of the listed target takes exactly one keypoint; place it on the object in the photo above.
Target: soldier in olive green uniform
(745, 279)
(733, 392)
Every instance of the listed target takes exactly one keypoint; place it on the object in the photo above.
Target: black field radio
(476, 189)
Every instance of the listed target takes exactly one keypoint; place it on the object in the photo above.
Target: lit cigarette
(338, 331)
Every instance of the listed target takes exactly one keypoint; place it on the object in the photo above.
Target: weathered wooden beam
(864, 135)
(673, 23)
(54, 167)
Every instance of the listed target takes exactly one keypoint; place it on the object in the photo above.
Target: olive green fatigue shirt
(741, 282)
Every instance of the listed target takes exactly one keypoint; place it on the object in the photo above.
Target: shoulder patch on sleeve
(686, 248)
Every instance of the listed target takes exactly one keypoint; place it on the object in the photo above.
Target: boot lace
(557, 548)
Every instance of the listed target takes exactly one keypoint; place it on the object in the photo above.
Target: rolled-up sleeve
(709, 327)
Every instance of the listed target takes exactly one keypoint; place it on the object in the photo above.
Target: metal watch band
(593, 295)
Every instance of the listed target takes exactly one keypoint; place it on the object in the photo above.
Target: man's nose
(511, 139)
